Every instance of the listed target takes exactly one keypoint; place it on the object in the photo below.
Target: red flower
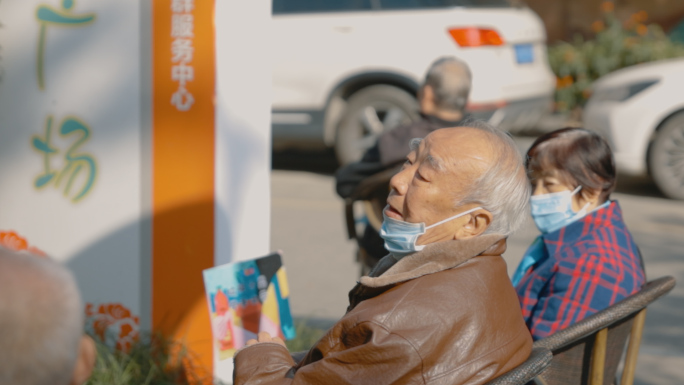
(607, 6)
(15, 242)
(642, 30)
(115, 317)
(115, 311)
(598, 26)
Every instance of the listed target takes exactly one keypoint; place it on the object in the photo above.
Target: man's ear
(428, 93)
(426, 99)
(478, 223)
(85, 362)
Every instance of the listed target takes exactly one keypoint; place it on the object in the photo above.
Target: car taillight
(475, 37)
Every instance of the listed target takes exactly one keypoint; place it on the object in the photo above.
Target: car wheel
(666, 157)
(370, 112)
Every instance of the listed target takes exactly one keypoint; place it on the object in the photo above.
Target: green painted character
(43, 146)
(47, 15)
(75, 162)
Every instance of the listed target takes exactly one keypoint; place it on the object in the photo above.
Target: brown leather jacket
(445, 315)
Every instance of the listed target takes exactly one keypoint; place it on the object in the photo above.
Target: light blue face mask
(400, 236)
(554, 211)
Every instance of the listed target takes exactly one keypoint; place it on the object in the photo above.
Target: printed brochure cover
(246, 298)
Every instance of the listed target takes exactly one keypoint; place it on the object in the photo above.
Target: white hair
(450, 80)
(41, 319)
(503, 189)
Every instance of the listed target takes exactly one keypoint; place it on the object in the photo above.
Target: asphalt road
(308, 226)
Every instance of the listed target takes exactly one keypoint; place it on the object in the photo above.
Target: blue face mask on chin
(554, 211)
(401, 237)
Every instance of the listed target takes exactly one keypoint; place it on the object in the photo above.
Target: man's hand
(265, 337)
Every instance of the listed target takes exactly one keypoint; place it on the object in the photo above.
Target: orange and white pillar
(210, 154)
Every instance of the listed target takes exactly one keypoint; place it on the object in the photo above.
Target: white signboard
(70, 140)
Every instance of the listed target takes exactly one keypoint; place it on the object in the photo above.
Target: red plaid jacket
(590, 264)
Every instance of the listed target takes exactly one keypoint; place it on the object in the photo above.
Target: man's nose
(398, 182)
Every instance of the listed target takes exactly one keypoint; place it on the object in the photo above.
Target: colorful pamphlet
(246, 298)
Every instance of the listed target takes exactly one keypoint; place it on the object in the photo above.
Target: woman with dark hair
(585, 258)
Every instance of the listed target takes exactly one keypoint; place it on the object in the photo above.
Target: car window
(408, 4)
(306, 6)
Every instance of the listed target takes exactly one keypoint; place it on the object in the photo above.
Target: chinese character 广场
(48, 15)
(43, 146)
(75, 163)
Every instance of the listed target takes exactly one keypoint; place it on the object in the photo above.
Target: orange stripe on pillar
(183, 170)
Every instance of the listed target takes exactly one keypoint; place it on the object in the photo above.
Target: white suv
(345, 70)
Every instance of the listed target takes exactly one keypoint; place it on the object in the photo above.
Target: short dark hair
(582, 157)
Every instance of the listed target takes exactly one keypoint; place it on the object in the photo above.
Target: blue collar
(603, 215)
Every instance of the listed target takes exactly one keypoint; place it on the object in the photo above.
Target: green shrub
(154, 360)
(616, 45)
(157, 360)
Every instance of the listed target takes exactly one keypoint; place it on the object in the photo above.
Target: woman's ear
(478, 222)
(588, 198)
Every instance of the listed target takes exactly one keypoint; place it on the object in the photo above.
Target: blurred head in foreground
(445, 91)
(41, 318)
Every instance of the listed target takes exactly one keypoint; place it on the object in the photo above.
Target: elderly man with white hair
(41, 324)
(440, 308)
